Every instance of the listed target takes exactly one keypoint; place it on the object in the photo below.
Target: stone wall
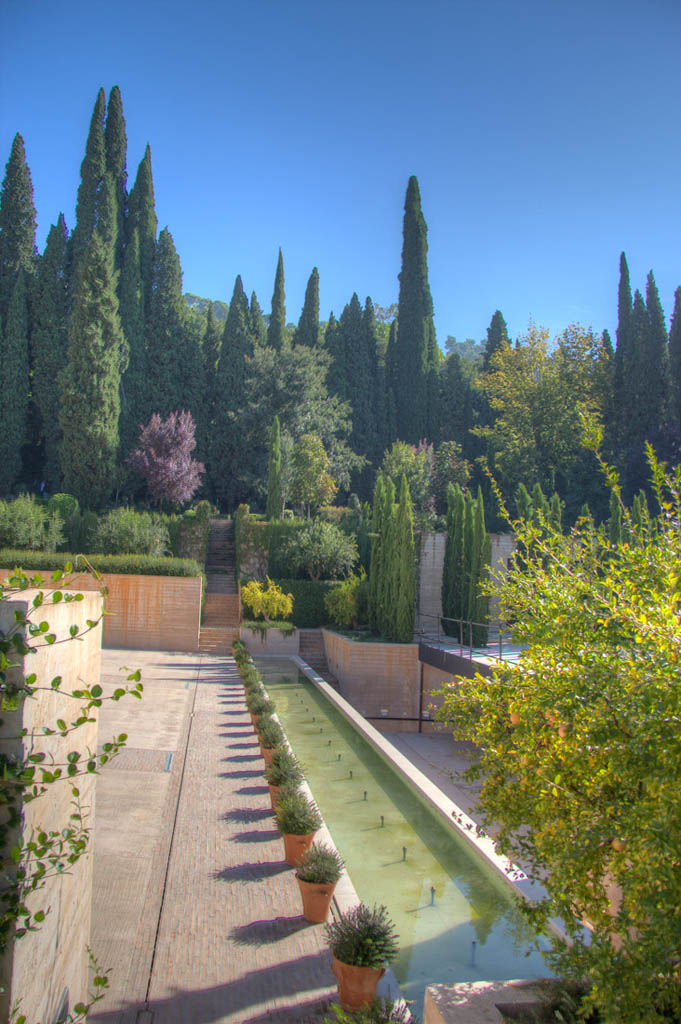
(39, 967)
(147, 613)
(430, 575)
(377, 678)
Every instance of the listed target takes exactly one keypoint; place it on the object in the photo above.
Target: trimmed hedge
(133, 565)
(309, 609)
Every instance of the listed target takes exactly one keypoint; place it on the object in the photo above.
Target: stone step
(214, 640)
(221, 610)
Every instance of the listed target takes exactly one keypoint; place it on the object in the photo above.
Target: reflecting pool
(456, 920)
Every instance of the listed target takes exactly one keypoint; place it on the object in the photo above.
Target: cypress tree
(116, 150)
(135, 407)
(142, 216)
(478, 602)
(497, 337)
(451, 573)
(657, 371)
(376, 541)
(368, 431)
(227, 457)
(386, 596)
(90, 381)
(274, 472)
(415, 348)
(675, 369)
(276, 332)
(92, 171)
(458, 563)
(406, 574)
(540, 503)
(212, 343)
(621, 396)
(14, 384)
(17, 224)
(556, 512)
(523, 503)
(389, 433)
(174, 356)
(468, 566)
(49, 345)
(258, 325)
(334, 342)
(358, 371)
(641, 421)
(455, 421)
(307, 332)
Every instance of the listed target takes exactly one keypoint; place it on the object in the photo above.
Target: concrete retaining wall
(377, 678)
(146, 613)
(37, 968)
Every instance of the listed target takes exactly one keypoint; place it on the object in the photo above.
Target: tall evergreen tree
(17, 224)
(405, 563)
(142, 216)
(376, 541)
(49, 344)
(656, 371)
(14, 383)
(497, 336)
(258, 325)
(307, 332)
(92, 171)
(227, 455)
(274, 504)
(675, 372)
(212, 343)
(90, 381)
(276, 332)
(334, 343)
(415, 352)
(368, 429)
(618, 412)
(135, 407)
(116, 150)
(480, 557)
(387, 596)
(175, 362)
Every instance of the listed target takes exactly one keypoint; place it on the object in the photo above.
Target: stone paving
(194, 908)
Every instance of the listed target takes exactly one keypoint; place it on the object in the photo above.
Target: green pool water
(456, 920)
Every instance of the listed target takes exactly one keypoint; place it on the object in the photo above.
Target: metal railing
(462, 636)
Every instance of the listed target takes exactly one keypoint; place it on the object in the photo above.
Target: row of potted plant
(363, 940)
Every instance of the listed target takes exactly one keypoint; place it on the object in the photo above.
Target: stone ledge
(478, 1002)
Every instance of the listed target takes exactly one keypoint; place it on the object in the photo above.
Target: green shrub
(364, 937)
(321, 551)
(297, 816)
(342, 602)
(270, 602)
(88, 531)
(133, 565)
(68, 509)
(270, 733)
(284, 769)
(321, 864)
(124, 531)
(27, 523)
(381, 1011)
(260, 626)
(309, 609)
(203, 511)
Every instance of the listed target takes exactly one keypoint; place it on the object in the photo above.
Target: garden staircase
(222, 605)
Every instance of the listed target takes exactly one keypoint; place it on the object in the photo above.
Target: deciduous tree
(164, 458)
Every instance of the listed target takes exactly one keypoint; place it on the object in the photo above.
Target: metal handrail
(470, 624)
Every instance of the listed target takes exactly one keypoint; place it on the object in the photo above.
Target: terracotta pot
(356, 985)
(274, 795)
(295, 847)
(267, 753)
(316, 897)
(254, 720)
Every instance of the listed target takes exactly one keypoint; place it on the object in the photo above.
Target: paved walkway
(194, 908)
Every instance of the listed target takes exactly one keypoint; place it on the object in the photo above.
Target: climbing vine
(30, 861)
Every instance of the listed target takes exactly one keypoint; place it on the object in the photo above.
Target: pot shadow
(252, 790)
(242, 774)
(252, 871)
(258, 933)
(257, 836)
(248, 814)
(243, 757)
(241, 746)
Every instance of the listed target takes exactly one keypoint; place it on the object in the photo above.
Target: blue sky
(545, 137)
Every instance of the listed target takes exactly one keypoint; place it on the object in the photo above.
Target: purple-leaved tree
(164, 458)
